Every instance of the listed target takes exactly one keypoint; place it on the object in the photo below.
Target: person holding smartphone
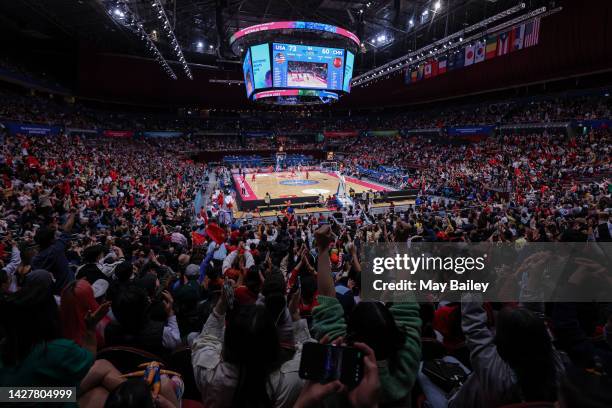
(238, 358)
(393, 333)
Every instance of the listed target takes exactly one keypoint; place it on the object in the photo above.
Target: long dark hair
(251, 343)
(30, 317)
(524, 343)
(372, 323)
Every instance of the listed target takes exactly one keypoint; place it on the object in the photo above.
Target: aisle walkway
(202, 197)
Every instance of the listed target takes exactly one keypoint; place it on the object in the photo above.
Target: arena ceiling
(388, 28)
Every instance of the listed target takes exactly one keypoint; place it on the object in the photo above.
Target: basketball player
(242, 188)
(307, 174)
(253, 177)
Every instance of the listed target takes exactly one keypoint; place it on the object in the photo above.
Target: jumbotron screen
(280, 66)
(248, 74)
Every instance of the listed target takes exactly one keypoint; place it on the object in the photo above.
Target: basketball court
(305, 79)
(285, 185)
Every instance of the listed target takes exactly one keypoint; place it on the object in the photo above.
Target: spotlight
(437, 6)
(411, 22)
(118, 12)
(381, 38)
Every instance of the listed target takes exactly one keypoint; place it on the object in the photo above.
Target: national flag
(434, 68)
(491, 48)
(442, 66)
(216, 233)
(469, 55)
(532, 32)
(198, 239)
(518, 38)
(428, 70)
(279, 58)
(407, 76)
(460, 59)
(503, 44)
(420, 72)
(479, 52)
(414, 74)
(450, 64)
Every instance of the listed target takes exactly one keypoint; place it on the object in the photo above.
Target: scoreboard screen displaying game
(292, 73)
(307, 67)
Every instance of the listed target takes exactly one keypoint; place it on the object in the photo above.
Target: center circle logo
(298, 182)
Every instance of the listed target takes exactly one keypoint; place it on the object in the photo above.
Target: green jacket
(396, 381)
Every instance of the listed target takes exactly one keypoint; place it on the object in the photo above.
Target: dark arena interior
(306, 203)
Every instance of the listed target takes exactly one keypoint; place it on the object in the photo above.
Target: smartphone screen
(325, 362)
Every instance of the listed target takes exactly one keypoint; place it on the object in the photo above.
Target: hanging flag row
(522, 36)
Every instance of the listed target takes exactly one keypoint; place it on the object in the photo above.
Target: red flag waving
(197, 239)
(216, 233)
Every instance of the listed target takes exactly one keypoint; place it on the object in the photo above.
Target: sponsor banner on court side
(496, 271)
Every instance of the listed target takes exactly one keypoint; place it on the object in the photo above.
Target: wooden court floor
(286, 185)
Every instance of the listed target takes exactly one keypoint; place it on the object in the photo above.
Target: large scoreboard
(280, 66)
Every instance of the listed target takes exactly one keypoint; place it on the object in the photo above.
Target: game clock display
(306, 66)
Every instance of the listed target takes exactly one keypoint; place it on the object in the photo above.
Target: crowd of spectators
(518, 164)
(102, 246)
(55, 110)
